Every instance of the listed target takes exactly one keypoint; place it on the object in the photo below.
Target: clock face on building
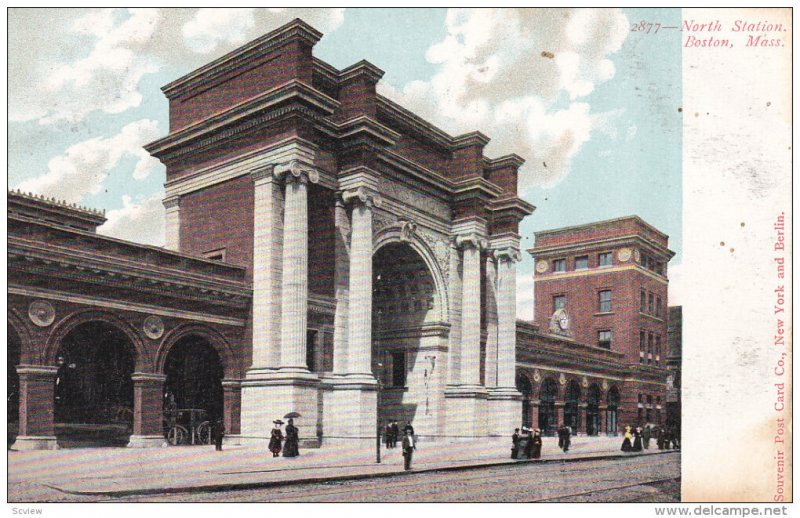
(624, 254)
(541, 266)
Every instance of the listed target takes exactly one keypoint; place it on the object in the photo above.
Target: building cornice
(628, 239)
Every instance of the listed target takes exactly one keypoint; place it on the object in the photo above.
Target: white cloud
(141, 221)
(525, 296)
(83, 168)
(94, 60)
(507, 73)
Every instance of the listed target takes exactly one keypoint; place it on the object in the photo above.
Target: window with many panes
(658, 348)
(604, 339)
(604, 259)
(649, 347)
(582, 262)
(605, 301)
(658, 307)
(641, 346)
(559, 302)
(650, 303)
(559, 265)
(643, 301)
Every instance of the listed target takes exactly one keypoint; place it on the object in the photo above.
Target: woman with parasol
(276, 438)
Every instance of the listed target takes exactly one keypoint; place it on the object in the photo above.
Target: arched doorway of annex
(409, 331)
(17, 335)
(195, 359)
(525, 387)
(96, 354)
(548, 419)
(612, 406)
(572, 398)
(593, 398)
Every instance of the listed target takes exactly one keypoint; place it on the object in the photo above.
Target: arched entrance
(547, 407)
(12, 383)
(612, 400)
(404, 300)
(593, 410)
(94, 392)
(524, 386)
(193, 396)
(573, 397)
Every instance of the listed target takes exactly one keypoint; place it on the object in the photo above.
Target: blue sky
(598, 121)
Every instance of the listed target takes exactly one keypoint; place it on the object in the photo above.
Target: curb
(241, 486)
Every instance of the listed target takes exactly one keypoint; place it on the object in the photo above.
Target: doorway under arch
(547, 407)
(612, 401)
(593, 410)
(93, 388)
(193, 395)
(526, 389)
(571, 415)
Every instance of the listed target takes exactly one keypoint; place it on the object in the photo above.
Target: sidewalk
(114, 472)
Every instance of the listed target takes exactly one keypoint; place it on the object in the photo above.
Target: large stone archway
(408, 338)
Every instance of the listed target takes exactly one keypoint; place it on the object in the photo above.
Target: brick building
(595, 355)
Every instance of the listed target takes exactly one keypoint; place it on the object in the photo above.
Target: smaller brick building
(594, 357)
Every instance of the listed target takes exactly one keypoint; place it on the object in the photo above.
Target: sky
(592, 106)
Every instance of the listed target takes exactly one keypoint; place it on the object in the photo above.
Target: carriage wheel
(177, 435)
(204, 433)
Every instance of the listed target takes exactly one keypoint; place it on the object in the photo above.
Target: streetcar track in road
(586, 493)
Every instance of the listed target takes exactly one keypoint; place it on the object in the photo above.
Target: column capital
(508, 254)
(148, 377)
(296, 171)
(171, 202)
(362, 196)
(263, 172)
(472, 240)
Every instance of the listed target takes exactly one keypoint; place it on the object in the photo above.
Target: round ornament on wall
(41, 313)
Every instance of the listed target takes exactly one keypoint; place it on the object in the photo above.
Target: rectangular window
(641, 346)
(311, 349)
(604, 259)
(582, 262)
(658, 348)
(658, 307)
(649, 343)
(559, 265)
(640, 398)
(650, 304)
(642, 301)
(605, 301)
(604, 339)
(399, 369)
(559, 302)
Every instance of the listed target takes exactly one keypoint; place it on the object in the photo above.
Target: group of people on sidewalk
(290, 446)
(526, 445)
(639, 438)
(409, 444)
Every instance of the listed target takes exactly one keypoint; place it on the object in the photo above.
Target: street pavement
(89, 474)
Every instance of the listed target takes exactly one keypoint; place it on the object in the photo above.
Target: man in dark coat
(409, 445)
(290, 449)
(395, 433)
(560, 433)
(388, 435)
(408, 428)
(217, 433)
(646, 434)
(515, 443)
(567, 438)
(637, 439)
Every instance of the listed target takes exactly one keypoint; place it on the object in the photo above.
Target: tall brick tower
(604, 285)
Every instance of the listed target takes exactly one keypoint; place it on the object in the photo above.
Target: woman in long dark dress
(536, 449)
(276, 438)
(637, 439)
(290, 448)
(626, 444)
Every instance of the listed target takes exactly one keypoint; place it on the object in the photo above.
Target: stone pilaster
(148, 392)
(342, 286)
(232, 409)
(36, 401)
(172, 223)
(490, 288)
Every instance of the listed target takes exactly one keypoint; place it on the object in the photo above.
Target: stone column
(232, 407)
(507, 316)
(471, 308)
(359, 335)
(490, 286)
(36, 408)
(342, 286)
(172, 223)
(148, 401)
(294, 285)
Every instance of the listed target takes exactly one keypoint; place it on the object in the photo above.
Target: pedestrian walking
(646, 433)
(626, 443)
(560, 433)
(409, 445)
(660, 437)
(395, 433)
(387, 435)
(515, 443)
(637, 439)
(408, 428)
(276, 438)
(217, 433)
(536, 444)
(291, 448)
(567, 438)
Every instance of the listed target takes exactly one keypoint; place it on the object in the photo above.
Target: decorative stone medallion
(585, 382)
(153, 327)
(605, 385)
(624, 255)
(537, 377)
(636, 255)
(541, 266)
(562, 379)
(41, 313)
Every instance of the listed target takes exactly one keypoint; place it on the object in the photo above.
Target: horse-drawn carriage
(187, 426)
